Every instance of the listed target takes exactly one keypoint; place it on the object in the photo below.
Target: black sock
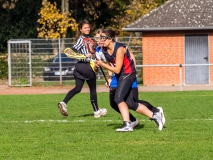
(154, 110)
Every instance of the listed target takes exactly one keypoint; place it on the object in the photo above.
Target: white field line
(83, 121)
(60, 121)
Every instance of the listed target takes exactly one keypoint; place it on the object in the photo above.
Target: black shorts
(123, 90)
(84, 71)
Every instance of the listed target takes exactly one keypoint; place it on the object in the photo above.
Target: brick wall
(211, 56)
(167, 48)
(162, 48)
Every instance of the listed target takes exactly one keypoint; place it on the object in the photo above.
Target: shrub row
(3, 67)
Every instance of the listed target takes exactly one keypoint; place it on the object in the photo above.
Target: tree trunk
(64, 9)
(64, 6)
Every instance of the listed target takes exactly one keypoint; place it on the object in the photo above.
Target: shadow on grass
(115, 126)
(86, 115)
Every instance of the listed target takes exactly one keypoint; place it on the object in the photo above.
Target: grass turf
(33, 128)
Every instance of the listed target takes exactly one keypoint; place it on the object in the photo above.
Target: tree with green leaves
(19, 17)
(18, 20)
(100, 13)
(111, 13)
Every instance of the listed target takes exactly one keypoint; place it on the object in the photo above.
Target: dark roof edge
(166, 29)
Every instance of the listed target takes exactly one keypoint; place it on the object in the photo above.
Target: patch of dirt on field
(7, 90)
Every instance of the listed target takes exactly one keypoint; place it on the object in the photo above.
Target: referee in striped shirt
(83, 71)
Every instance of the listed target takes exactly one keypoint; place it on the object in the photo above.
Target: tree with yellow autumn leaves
(20, 18)
(53, 23)
(103, 13)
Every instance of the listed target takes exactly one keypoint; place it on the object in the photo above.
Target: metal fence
(29, 58)
(181, 67)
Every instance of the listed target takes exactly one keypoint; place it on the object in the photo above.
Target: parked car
(52, 71)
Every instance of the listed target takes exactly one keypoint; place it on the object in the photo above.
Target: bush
(3, 67)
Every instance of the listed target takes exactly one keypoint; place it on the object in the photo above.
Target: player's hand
(88, 55)
(108, 84)
(99, 62)
(96, 67)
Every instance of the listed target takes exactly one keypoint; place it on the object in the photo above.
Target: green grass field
(32, 128)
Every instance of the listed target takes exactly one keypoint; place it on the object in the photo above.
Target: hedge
(3, 66)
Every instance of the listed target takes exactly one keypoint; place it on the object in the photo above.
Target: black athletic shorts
(84, 71)
(123, 90)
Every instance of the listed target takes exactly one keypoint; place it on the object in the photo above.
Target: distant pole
(181, 89)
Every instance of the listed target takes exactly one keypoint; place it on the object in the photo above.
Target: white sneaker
(134, 123)
(63, 108)
(162, 115)
(100, 112)
(158, 120)
(126, 127)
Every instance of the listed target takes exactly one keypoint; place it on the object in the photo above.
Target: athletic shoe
(63, 108)
(134, 123)
(126, 127)
(158, 120)
(162, 115)
(100, 112)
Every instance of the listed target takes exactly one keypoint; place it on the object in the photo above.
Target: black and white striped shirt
(81, 48)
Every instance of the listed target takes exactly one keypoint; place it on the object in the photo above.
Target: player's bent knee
(118, 100)
(133, 106)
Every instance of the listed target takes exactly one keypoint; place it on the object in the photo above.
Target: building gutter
(166, 29)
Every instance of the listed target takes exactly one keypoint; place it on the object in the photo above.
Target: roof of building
(176, 15)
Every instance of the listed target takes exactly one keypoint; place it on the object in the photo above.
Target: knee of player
(77, 90)
(133, 106)
(118, 100)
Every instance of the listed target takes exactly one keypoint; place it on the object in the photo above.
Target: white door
(196, 52)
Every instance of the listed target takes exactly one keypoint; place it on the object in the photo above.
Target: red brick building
(178, 32)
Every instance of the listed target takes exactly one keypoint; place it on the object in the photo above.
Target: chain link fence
(30, 59)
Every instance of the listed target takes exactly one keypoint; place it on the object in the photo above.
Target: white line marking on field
(208, 119)
(59, 121)
(83, 121)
